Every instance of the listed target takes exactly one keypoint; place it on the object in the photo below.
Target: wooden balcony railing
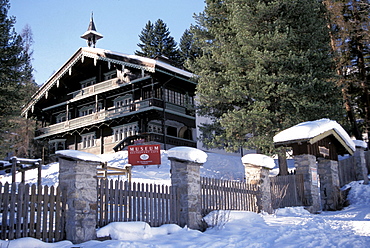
(107, 114)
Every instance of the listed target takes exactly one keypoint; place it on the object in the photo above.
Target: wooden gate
(126, 201)
(286, 191)
(220, 194)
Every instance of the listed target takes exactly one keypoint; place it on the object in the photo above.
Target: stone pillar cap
(190, 154)
(259, 160)
(79, 155)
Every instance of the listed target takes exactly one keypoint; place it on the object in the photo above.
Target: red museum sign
(144, 155)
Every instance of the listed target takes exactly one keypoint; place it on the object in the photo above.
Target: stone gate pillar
(306, 165)
(329, 184)
(360, 161)
(257, 169)
(77, 180)
(185, 176)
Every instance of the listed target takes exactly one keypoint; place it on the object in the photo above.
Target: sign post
(144, 155)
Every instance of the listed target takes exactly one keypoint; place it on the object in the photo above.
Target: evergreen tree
(188, 49)
(265, 66)
(15, 73)
(350, 39)
(157, 41)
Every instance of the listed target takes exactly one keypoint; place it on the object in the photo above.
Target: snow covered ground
(287, 227)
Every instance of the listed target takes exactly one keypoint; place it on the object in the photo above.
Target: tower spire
(91, 35)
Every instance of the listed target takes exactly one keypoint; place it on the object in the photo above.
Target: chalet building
(101, 101)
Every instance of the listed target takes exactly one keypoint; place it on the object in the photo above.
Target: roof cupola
(91, 35)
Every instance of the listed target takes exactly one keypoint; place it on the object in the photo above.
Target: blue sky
(58, 24)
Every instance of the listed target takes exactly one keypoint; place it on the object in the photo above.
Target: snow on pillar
(77, 180)
(257, 169)
(185, 176)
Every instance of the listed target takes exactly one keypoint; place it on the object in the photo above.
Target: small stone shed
(316, 146)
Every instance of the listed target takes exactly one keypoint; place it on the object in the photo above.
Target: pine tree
(157, 41)
(15, 72)
(266, 65)
(188, 49)
(350, 39)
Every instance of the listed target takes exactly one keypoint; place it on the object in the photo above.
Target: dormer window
(88, 82)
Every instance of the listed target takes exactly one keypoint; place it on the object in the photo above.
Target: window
(110, 75)
(88, 82)
(56, 145)
(88, 140)
(61, 117)
(88, 110)
(122, 103)
(122, 132)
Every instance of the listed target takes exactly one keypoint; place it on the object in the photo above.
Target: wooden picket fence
(126, 201)
(287, 191)
(31, 211)
(219, 194)
(346, 171)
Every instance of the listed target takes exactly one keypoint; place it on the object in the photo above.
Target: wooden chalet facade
(101, 101)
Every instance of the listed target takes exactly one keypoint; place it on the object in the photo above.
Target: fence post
(185, 176)
(77, 180)
(257, 169)
(329, 184)
(360, 161)
(306, 165)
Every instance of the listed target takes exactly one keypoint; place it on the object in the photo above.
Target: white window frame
(122, 132)
(88, 140)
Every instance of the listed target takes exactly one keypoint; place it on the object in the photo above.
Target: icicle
(70, 70)
(46, 94)
(82, 58)
(109, 65)
(95, 61)
(58, 83)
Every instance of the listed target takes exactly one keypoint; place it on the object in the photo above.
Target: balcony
(109, 114)
(101, 87)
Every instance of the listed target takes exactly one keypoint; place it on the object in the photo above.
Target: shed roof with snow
(322, 138)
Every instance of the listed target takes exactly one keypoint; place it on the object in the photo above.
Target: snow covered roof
(79, 155)
(188, 153)
(313, 131)
(132, 61)
(259, 160)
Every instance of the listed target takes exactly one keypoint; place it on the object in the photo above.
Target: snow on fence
(31, 211)
(287, 191)
(228, 195)
(125, 201)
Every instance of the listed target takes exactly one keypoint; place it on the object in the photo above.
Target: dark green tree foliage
(349, 22)
(157, 41)
(15, 73)
(266, 65)
(187, 47)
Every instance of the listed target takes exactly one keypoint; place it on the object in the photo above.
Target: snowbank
(188, 154)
